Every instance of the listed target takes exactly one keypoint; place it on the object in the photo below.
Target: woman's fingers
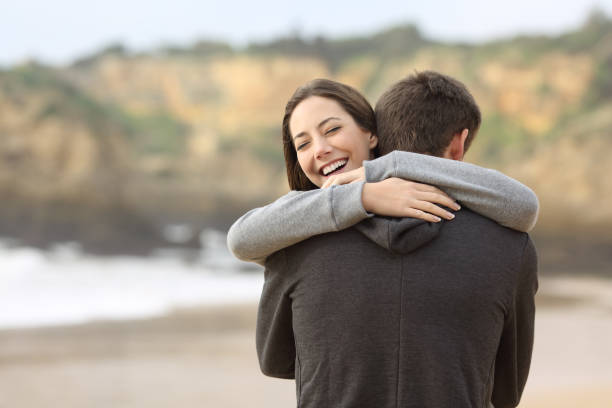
(345, 178)
(329, 182)
(336, 180)
(427, 207)
(439, 198)
(414, 213)
(426, 187)
(429, 189)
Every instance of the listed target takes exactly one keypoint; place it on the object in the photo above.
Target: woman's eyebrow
(322, 123)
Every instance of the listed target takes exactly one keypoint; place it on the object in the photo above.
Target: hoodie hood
(399, 235)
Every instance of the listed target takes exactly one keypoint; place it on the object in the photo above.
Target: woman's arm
(485, 191)
(295, 217)
(300, 215)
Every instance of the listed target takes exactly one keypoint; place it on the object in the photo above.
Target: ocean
(64, 285)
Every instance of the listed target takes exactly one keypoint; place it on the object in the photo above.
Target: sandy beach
(205, 357)
(192, 358)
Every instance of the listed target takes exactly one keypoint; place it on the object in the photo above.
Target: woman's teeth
(333, 166)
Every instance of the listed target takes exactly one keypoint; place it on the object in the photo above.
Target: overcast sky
(61, 30)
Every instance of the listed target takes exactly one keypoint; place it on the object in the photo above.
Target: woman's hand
(345, 178)
(395, 197)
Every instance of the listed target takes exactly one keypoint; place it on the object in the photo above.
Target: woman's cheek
(305, 164)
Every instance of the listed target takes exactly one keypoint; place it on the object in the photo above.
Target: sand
(205, 357)
(192, 358)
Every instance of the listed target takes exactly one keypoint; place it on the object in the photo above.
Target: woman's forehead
(314, 109)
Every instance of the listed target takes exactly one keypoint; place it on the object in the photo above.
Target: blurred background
(133, 135)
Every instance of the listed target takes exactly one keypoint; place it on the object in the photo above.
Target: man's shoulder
(346, 247)
(472, 222)
(333, 240)
(315, 242)
(483, 237)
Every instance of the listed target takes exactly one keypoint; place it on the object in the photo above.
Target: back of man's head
(423, 112)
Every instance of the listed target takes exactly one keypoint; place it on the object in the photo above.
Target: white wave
(65, 286)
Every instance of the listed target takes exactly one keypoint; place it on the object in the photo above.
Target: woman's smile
(334, 167)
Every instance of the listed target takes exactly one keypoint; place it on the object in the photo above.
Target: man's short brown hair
(422, 112)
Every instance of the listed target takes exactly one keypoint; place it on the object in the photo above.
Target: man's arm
(485, 191)
(514, 352)
(296, 216)
(274, 335)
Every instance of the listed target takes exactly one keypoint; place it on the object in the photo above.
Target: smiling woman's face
(327, 140)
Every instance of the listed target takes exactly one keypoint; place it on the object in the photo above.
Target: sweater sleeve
(485, 191)
(295, 217)
(516, 344)
(274, 334)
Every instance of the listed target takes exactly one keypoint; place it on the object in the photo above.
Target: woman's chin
(319, 181)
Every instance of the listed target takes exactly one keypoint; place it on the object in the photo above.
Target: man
(400, 312)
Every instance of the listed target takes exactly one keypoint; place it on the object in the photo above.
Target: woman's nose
(322, 148)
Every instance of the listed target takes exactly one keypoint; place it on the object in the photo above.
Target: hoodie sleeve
(516, 344)
(274, 334)
(295, 217)
(485, 191)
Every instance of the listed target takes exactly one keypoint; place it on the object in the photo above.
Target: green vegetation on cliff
(397, 42)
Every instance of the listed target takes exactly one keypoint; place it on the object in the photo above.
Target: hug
(396, 275)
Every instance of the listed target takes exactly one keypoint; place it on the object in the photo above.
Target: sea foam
(66, 286)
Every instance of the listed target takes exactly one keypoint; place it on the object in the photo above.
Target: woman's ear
(373, 141)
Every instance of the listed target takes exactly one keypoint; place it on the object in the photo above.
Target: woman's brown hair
(351, 101)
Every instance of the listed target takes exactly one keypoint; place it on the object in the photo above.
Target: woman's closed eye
(301, 145)
(332, 130)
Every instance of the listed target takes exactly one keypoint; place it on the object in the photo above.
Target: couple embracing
(381, 291)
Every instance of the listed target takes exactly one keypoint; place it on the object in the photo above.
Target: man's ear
(373, 142)
(456, 148)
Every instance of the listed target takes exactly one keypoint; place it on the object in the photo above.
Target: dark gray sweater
(402, 313)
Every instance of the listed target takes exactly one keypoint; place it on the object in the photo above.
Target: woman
(328, 131)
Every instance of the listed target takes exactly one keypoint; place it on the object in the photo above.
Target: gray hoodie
(302, 214)
(402, 313)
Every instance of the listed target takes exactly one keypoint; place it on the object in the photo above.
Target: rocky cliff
(121, 139)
